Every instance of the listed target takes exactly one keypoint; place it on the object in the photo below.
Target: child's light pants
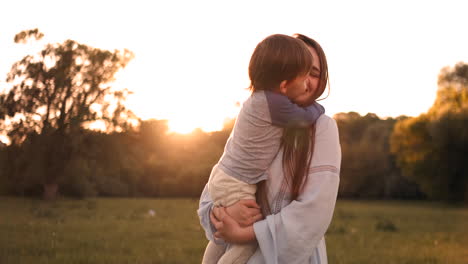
(225, 191)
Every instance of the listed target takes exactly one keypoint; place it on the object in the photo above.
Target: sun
(181, 126)
(188, 125)
(4, 139)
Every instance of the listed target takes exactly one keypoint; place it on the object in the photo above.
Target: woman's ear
(283, 87)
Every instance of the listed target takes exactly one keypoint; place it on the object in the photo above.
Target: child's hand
(245, 212)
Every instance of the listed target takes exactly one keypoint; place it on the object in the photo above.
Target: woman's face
(312, 81)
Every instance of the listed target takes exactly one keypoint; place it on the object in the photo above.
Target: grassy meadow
(140, 231)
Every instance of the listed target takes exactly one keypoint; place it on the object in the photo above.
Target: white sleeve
(291, 235)
(204, 209)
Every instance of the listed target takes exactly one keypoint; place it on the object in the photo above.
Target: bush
(385, 225)
(78, 180)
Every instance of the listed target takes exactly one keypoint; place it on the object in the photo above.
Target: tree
(368, 169)
(25, 35)
(432, 149)
(57, 93)
(411, 144)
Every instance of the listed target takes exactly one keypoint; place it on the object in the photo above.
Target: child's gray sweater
(255, 138)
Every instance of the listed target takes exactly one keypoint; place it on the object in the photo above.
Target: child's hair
(277, 58)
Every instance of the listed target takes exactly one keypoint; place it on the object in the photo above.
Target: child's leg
(225, 191)
(212, 253)
(238, 254)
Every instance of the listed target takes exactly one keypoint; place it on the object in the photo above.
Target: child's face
(305, 98)
(296, 87)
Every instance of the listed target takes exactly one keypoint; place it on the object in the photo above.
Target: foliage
(452, 95)
(368, 169)
(146, 161)
(149, 161)
(432, 149)
(64, 87)
(53, 96)
(26, 35)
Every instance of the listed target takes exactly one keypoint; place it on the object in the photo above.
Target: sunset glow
(4, 139)
(191, 58)
(182, 126)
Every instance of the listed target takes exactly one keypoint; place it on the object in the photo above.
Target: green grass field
(122, 231)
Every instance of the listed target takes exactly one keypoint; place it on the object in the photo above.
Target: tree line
(148, 161)
(57, 93)
(142, 162)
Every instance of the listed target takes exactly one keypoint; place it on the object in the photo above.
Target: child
(279, 70)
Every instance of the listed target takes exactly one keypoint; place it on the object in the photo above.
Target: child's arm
(285, 113)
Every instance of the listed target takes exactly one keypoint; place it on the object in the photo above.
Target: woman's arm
(229, 229)
(244, 214)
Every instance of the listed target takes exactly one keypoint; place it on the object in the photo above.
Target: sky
(191, 57)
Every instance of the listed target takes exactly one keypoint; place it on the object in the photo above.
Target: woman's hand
(245, 212)
(228, 229)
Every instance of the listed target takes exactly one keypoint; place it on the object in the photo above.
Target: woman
(299, 196)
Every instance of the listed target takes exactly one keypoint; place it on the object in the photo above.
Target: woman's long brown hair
(297, 143)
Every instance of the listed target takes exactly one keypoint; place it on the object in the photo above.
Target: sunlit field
(167, 231)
